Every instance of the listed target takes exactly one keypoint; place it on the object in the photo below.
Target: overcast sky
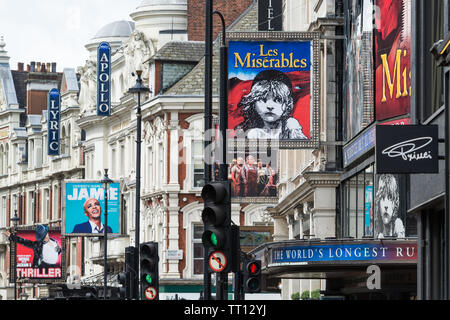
(56, 30)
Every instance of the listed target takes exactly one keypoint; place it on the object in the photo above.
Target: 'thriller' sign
(54, 122)
(407, 149)
(104, 80)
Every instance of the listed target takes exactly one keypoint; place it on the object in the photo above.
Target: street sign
(150, 293)
(217, 261)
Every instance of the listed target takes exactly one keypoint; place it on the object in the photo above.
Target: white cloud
(55, 30)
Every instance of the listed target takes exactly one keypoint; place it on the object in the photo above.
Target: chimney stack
(20, 66)
(54, 67)
(33, 66)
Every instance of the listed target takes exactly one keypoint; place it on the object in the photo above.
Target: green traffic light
(149, 279)
(213, 239)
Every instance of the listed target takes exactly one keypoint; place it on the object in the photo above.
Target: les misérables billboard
(273, 89)
(273, 102)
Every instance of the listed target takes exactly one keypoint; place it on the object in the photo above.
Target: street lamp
(137, 90)
(106, 181)
(14, 221)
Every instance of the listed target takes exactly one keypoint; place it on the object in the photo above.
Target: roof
(34, 119)
(194, 82)
(191, 51)
(7, 83)
(115, 29)
(71, 79)
(20, 78)
(160, 2)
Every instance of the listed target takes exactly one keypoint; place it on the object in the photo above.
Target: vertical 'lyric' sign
(104, 80)
(54, 121)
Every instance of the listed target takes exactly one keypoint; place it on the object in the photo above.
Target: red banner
(39, 254)
(393, 58)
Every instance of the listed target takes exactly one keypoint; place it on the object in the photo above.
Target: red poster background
(302, 100)
(392, 33)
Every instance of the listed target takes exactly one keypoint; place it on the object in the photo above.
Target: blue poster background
(269, 50)
(76, 195)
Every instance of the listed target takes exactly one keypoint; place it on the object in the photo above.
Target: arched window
(7, 159)
(69, 139)
(63, 140)
(2, 160)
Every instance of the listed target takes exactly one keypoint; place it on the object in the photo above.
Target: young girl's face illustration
(270, 109)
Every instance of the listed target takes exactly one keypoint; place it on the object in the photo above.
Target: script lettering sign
(407, 149)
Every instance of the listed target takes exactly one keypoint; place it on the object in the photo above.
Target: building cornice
(313, 180)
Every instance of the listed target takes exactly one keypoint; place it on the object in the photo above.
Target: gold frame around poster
(314, 39)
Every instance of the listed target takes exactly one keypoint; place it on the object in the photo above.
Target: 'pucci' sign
(407, 149)
(104, 80)
(53, 122)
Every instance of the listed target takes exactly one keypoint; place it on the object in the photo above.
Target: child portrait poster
(76, 193)
(250, 62)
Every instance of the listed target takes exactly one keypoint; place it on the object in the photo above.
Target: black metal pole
(138, 191)
(447, 187)
(208, 126)
(105, 233)
(15, 220)
(15, 266)
(223, 126)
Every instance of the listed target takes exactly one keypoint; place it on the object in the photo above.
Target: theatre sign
(329, 253)
(407, 149)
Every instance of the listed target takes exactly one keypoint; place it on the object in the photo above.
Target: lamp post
(137, 90)
(14, 221)
(105, 181)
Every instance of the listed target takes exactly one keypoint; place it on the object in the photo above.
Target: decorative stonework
(137, 52)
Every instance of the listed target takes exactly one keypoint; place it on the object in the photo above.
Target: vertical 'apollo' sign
(54, 122)
(104, 80)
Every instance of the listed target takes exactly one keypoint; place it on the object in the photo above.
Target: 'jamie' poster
(84, 213)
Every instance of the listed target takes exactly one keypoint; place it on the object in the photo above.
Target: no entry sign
(217, 261)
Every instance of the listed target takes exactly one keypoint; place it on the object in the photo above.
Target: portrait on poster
(389, 206)
(272, 90)
(84, 208)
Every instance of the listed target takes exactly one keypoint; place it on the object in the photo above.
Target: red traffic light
(253, 268)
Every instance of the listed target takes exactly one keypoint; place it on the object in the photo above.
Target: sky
(56, 30)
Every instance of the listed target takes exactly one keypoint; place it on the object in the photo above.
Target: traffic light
(126, 278)
(132, 270)
(124, 281)
(149, 260)
(252, 275)
(216, 217)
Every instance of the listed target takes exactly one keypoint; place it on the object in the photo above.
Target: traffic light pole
(222, 287)
(208, 126)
